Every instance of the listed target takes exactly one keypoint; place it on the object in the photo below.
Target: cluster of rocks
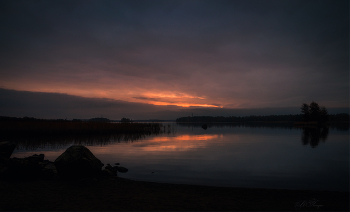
(33, 167)
(77, 162)
(113, 170)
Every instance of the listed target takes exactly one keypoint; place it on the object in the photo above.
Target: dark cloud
(247, 53)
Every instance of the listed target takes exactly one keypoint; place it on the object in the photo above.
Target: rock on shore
(78, 162)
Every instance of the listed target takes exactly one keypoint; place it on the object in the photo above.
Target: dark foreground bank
(115, 193)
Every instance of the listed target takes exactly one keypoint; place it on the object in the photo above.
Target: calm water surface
(224, 155)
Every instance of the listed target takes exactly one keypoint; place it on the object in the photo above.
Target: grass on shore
(76, 128)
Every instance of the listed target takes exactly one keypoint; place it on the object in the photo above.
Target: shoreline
(116, 193)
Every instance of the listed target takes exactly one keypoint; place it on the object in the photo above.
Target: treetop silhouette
(314, 112)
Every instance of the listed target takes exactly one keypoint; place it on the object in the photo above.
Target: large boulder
(78, 162)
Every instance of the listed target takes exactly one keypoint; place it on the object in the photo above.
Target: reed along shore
(29, 127)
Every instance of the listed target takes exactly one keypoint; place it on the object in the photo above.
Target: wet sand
(118, 194)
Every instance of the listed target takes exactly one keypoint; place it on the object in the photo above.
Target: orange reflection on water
(186, 138)
(178, 143)
(153, 144)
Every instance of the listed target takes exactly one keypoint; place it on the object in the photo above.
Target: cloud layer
(224, 54)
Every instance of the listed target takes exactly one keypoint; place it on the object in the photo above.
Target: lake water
(222, 155)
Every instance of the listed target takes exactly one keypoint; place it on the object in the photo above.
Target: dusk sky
(166, 59)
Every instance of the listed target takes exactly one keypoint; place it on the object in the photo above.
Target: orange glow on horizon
(171, 95)
(136, 95)
(174, 98)
(182, 104)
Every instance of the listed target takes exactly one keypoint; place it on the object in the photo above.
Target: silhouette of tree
(324, 117)
(313, 112)
(305, 111)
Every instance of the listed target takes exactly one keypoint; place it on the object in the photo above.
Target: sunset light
(167, 105)
(149, 63)
(182, 104)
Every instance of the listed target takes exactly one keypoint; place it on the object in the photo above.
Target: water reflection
(187, 138)
(58, 142)
(176, 143)
(309, 136)
(313, 135)
(223, 155)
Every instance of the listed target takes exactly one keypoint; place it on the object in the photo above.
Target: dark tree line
(125, 120)
(310, 113)
(274, 118)
(314, 112)
(99, 120)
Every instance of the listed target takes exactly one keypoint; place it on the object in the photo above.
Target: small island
(311, 114)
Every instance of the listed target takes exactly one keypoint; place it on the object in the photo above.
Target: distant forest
(31, 119)
(342, 117)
